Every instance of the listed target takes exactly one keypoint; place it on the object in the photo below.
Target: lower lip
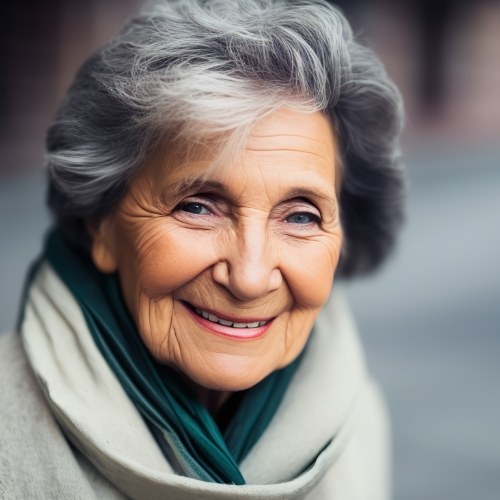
(229, 331)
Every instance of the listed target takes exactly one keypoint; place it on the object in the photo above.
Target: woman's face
(225, 273)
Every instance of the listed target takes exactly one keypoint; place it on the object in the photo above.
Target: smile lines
(215, 319)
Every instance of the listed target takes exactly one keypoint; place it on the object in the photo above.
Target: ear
(101, 249)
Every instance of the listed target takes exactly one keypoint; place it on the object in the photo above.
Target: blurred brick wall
(42, 44)
(451, 96)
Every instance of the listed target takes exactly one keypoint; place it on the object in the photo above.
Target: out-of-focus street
(430, 322)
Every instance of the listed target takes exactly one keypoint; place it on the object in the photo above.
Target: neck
(211, 399)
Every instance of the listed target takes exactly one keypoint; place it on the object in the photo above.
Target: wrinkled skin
(257, 241)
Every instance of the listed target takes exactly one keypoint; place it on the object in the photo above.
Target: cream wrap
(328, 439)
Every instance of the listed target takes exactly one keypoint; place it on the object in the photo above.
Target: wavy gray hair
(201, 69)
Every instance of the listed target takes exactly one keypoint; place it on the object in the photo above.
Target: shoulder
(357, 462)
(23, 403)
(17, 387)
(36, 460)
(28, 433)
(363, 467)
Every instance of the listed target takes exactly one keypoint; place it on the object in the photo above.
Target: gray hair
(202, 69)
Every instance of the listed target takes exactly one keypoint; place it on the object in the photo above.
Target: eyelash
(185, 204)
(203, 201)
(316, 219)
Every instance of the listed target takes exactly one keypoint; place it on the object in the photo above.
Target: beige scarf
(327, 440)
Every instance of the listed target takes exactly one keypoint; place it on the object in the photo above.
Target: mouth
(236, 328)
(233, 324)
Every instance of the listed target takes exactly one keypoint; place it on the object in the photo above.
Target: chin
(229, 374)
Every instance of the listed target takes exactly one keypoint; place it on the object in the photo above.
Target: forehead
(303, 143)
(293, 130)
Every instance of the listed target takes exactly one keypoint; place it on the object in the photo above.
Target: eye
(194, 208)
(302, 218)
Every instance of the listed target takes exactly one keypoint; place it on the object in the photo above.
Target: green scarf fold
(184, 429)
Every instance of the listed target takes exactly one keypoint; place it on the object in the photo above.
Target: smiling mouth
(226, 324)
(215, 319)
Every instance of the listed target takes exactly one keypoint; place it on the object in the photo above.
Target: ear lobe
(100, 249)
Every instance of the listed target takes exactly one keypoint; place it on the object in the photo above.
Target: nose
(249, 267)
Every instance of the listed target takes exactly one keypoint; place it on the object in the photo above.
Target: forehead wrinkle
(303, 145)
(271, 151)
(285, 136)
(335, 164)
(318, 138)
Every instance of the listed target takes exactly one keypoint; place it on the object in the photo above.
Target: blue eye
(301, 218)
(194, 208)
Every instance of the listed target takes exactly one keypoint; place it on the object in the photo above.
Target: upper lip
(233, 319)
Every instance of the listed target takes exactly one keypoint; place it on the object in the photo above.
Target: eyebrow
(304, 192)
(185, 187)
(314, 195)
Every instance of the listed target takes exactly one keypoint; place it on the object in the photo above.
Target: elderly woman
(211, 171)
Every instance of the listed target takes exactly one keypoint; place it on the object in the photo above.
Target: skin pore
(225, 273)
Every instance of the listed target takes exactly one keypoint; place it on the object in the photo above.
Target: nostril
(220, 273)
(275, 279)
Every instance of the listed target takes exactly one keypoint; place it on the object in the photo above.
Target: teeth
(216, 319)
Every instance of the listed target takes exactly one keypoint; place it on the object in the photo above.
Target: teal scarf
(185, 431)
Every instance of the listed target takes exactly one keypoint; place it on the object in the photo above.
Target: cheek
(173, 257)
(309, 271)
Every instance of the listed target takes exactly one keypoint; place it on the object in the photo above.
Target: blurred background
(430, 319)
